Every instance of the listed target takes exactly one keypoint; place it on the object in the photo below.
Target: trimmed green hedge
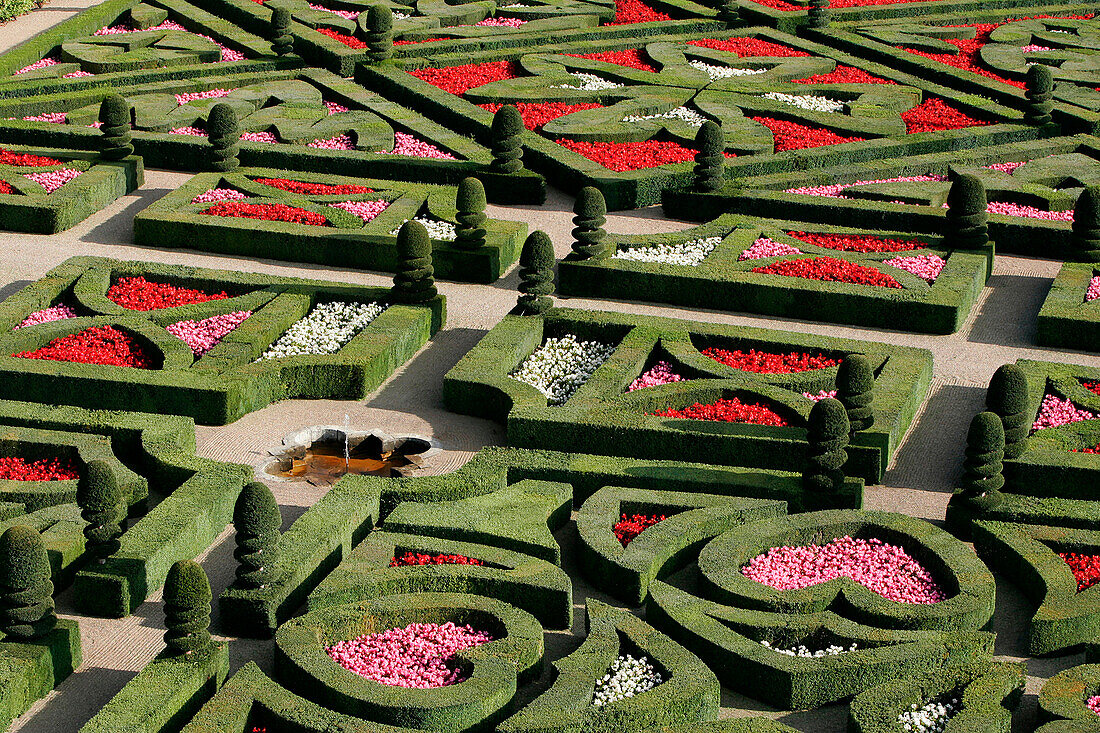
(1066, 321)
(604, 419)
(31, 669)
(790, 20)
(1062, 700)
(62, 530)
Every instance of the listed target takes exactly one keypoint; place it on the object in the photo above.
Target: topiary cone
(224, 134)
(379, 36)
(1007, 397)
(26, 591)
(827, 433)
(536, 275)
(1039, 92)
(414, 281)
(1085, 238)
(114, 113)
(855, 388)
(982, 478)
(710, 161)
(282, 42)
(257, 520)
(818, 14)
(965, 226)
(505, 140)
(589, 237)
(103, 507)
(186, 608)
(470, 202)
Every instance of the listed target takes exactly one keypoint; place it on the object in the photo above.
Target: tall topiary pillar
(1039, 91)
(818, 14)
(379, 33)
(282, 42)
(114, 113)
(505, 140)
(1085, 238)
(225, 138)
(26, 591)
(985, 448)
(589, 237)
(187, 608)
(965, 226)
(414, 281)
(103, 507)
(1007, 397)
(828, 437)
(470, 202)
(855, 388)
(257, 520)
(710, 160)
(536, 275)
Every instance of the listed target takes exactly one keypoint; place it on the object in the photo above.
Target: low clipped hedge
(1065, 320)
(688, 693)
(1062, 700)
(732, 725)
(62, 530)
(604, 419)
(790, 20)
(32, 668)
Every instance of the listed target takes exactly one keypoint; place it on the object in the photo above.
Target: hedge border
(1065, 320)
(1062, 698)
(35, 667)
(62, 530)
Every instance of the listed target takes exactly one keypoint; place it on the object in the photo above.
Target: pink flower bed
(660, 373)
(76, 74)
(219, 194)
(823, 394)
(501, 22)
(48, 61)
(1055, 412)
(260, 137)
(365, 210)
(334, 108)
(415, 656)
(228, 54)
(56, 118)
(414, 147)
(883, 568)
(189, 130)
(926, 267)
(1094, 289)
(183, 99)
(765, 247)
(340, 142)
(53, 313)
(1028, 212)
(53, 180)
(834, 190)
(203, 335)
(1093, 704)
(349, 14)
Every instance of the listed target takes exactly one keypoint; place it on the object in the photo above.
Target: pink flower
(76, 74)
(1034, 47)
(57, 118)
(501, 22)
(1030, 212)
(219, 194)
(926, 267)
(660, 373)
(335, 108)
(39, 65)
(203, 335)
(53, 180)
(1093, 704)
(834, 190)
(823, 394)
(58, 312)
(349, 14)
(1094, 289)
(764, 247)
(260, 137)
(415, 656)
(183, 99)
(189, 130)
(340, 142)
(1055, 412)
(410, 145)
(365, 210)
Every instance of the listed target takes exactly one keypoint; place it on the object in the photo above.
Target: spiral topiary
(1085, 238)
(589, 237)
(818, 14)
(1039, 92)
(505, 140)
(26, 591)
(103, 507)
(855, 388)
(186, 608)
(414, 281)
(710, 160)
(1007, 397)
(470, 202)
(985, 449)
(114, 113)
(379, 36)
(282, 42)
(257, 520)
(224, 134)
(965, 226)
(536, 275)
(827, 433)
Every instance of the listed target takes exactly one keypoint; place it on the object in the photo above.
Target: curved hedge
(1062, 700)
(1065, 320)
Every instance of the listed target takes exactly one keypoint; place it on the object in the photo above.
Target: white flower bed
(689, 253)
(441, 230)
(931, 717)
(716, 72)
(324, 331)
(401, 16)
(803, 651)
(627, 677)
(588, 83)
(561, 365)
(811, 102)
(689, 116)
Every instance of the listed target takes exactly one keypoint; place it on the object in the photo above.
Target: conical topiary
(257, 520)
(379, 36)
(536, 275)
(965, 226)
(414, 281)
(1039, 91)
(26, 591)
(1007, 397)
(982, 478)
(818, 14)
(827, 433)
(505, 140)
(224, 134)
(710, 160)
(1085, 238)
(470, 202)
(589, 237)
(103, 507)
(186, 608)
(282, 42)
(114, 113)
(855, 388)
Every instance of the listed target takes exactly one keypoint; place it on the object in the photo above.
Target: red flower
(729, 410)
(267, 212)
(793, 136)
(844, 75)
(43, 469)
(349, 41)
(421, 40)
(857, 242)
(629, 527)
(635, 11)
(748, 47)
(830, 269)
(97, 345)
(314, 189)
(1086, 568)
(787, 6)
(935, 114)
(7, 157)
(457, 79)
(5, 187)
(139, 294)
(762, 362)
(1094, 449)
(1092, 386)
(622, 157)
(631, 57)
(419, 558)
(537, 114)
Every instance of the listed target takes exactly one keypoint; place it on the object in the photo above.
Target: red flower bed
(105, 345)
(729, 410)
(457, 79)
(968, 57)
(1086, 568)
(267, 212)
(44, 469)
(1092, 386)
(537, 114)
(7, 157)
(5, 187)
(857, 242)
(635, 11)
(783, 5)
(830, 269)
(629, 527)
(631, 57)
(844, 75)
(313, 189)
(138, 294)
(622, 157)
(349, 41)
(419, 558)
(762, 362)
(1094, 450)
(747, 47)
(793, 136)
(935, 114)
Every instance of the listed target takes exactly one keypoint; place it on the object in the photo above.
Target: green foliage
(470, 202)
(1008, 398)
(505, 140)
(102, 506)
(729, 11)
(818, 14)
(282, 41)
(13, 8)
(710, 160)
(224, 134)
(965, 226)
(186, 608)
(26, 591)
(536, 275)
(855, 388)
(1085, 239)
(379, 33)
(414, 281)
(1039, 92)
(258, 522)
(982, 478)
(114, 113)
(589, 237)
(828, 430)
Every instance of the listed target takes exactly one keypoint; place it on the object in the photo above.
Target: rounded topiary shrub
(26, 590)
(187, 608)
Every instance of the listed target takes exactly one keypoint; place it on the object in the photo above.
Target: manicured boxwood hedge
(1066, 321)
(1062, 700)
(722, 282)
(689, 692)
(62, 531)
(604, 419)
(223, 384)
(32, 668)
(174, 221)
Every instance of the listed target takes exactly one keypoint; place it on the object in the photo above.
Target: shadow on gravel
(419, 384)
(120, 227)
(1007, 317)
(13, 287)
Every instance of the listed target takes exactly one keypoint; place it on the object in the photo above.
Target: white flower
(689, 116)
(723, 72)
(324, 331)
(811, 102)
(588, 83)
(401, 16)
(803, 651)
(689, 253)
(625, 678)
(561, 365)
(932, 717)
(444, 231)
